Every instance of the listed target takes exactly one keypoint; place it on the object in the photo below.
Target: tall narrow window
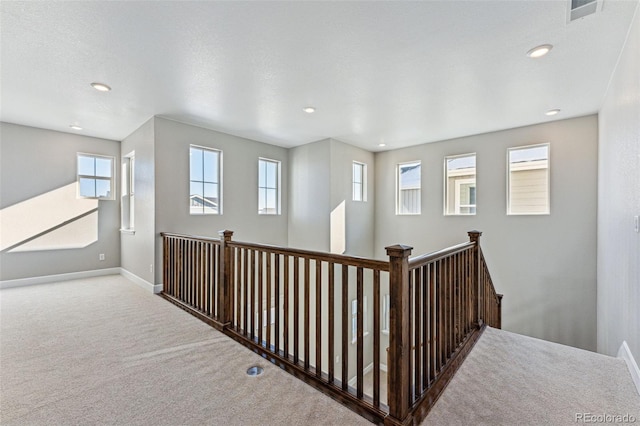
(128, 192)
(205, 194)
(95, 177)
(408, 190)
(386, 299)
(528, 180)
(268, 186)
(359, 181)
(460, 185)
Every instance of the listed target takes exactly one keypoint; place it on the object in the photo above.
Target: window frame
(399, 190)
(354, 319)
(218, 183)
(362, 193)
(278, 187)
(456, 189)
(548, 186)
(95, 177)
(127, 205)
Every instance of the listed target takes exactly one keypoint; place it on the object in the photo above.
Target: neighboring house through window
(268, 186)
(408, 188)
(460, 185)
(205, 192)
(95, 176)
(528, 180)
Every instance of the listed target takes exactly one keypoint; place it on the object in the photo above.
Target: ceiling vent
(580, 8)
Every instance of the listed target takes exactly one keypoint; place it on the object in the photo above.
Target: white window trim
(386, 306)
(354, 317)
(363, 183)
(220, 185)
(127, 204)
(548, 212)
(278, 189)
(112, 186)
(399, 191)
(456, 201)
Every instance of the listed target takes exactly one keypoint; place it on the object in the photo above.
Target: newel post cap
(398, 250)
(474, 235)
(226, 234)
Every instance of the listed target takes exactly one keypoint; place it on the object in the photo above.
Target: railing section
(383, 338)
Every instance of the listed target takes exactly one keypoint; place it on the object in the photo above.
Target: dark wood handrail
(277, 301)
(323, 257)
(417, 261)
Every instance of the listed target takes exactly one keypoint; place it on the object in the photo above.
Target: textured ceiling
(401, 73)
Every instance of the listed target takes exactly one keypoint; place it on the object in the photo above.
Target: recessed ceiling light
(552, 112)
(101, 87)
(539, 51)
(309, 110)
(382, 144)
(75, 127)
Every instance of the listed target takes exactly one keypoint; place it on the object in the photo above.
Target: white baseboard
(45, 279)
(153, 288)
(625, 353)
(366, 370)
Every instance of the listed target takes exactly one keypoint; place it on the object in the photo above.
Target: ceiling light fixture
(309, 110)
(75, 127)
(382, 144)
(539, 51)
(552, 111)
(101, 87)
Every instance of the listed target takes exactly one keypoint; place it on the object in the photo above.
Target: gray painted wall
(544, 265)
(240, 187)
(618, 203)
(138, 254)
(36, 161)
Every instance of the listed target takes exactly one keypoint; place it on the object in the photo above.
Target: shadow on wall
(51, 221)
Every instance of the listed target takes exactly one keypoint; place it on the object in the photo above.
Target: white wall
(138, 249)
(37, 161)
(544, 265)
(618, 203)
(240, 187)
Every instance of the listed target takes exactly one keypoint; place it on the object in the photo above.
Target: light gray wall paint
(310, 196)
(359, 215)
(138, 254)
(544, 265)
(618, 203)
(240, 186)
(35, 161)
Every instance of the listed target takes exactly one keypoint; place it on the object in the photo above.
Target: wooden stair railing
(293, 307)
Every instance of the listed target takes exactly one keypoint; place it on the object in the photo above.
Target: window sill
(128, 231)
(366, 333)
(385, 332)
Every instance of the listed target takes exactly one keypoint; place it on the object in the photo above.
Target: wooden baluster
(345, 329)
(474, 237)
(425, 327)
(252, 301)
(268, 301)
(307, 286)
(360, 332)
(277, 302)
(399, 381)
(332, 324)
(417, 361)
(318, 266)
(260, 297)
(296, 309)
(285, 331)
(225, 306)
(247, 295)
(376, 337)
(238, 258)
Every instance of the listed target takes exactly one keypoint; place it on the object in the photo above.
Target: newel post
(398, 374)
(474, 237)
(224, 278)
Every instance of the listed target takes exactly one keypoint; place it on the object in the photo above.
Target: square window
(95, 176)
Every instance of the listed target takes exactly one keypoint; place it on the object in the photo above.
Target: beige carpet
(105, 352)
(509, 379)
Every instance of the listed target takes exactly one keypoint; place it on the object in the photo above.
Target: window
(128, 192)
(95, 177)
(460, 185)
(359, 181)
(205, 194)
(528, 180)
(268, 186)
(354, 319)
(386, 299)
(408, 190)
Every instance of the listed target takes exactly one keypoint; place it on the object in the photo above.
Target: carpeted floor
(102, 351)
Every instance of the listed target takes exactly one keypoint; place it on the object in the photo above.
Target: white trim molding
(45, 279)
(153, 288)
(625, 353)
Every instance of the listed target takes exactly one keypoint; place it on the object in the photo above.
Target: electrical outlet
(151, 268)
(338, 359)
(101, 256)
